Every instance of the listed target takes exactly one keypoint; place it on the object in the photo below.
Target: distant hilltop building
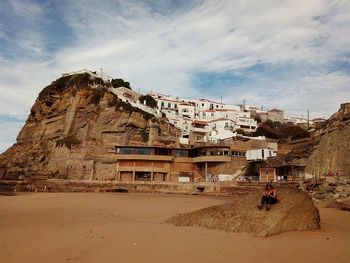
(96, 74)
(275, 115)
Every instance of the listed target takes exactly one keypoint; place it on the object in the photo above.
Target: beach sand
(123, 227)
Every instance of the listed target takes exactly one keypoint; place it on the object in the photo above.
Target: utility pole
(101, 76)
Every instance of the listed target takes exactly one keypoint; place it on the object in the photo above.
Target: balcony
(212, 159)
(144, 157)
(200, 130)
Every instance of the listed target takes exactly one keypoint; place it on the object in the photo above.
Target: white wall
(259, 154)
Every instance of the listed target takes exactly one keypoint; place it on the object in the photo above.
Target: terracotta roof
(156, 98)
(277, 110)
(221, 119)
(225, 110)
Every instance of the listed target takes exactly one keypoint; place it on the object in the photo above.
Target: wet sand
(117, 227)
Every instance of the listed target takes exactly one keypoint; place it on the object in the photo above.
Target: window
(169, 105)
(217, 106)
(162, 104)
(263, 154)
(175, 105)
(181, 153)
(212, 114)
(202, 104)
(226, 124)
(211, 106)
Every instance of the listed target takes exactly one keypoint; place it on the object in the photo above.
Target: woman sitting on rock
(269, 197)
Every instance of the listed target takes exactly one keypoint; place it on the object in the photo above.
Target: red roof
(221, 119)
(161, 98)
(224, 110)
(277, 110)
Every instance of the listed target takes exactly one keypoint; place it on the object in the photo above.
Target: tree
(150, 101)
(276, 130)
(116, 83)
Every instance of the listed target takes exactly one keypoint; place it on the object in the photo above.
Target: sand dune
(112, 227)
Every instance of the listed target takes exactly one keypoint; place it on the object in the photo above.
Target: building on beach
(160, 164)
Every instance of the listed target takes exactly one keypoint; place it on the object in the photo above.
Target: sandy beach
(119, 227)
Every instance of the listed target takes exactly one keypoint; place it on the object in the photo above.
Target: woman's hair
(268, 185)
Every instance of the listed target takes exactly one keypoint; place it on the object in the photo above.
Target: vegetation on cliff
(68, 141)
(150, 101)
(283, 132)
(116, 83)
(97, 96)
(59, 85)
(127, 107)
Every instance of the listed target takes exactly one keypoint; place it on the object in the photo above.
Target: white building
(186, 110)
(125, 94)
(259, 154)
(221, 128)
(222, 120)
(95, 74)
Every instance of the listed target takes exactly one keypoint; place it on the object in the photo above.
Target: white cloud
(25, 8)
(8, 133)
(162, 51)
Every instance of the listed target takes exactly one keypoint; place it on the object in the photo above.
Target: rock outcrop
(333, 190)
(327, 149)
(333, 145)
(295, 211)
(72, 130)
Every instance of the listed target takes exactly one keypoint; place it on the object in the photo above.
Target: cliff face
(332, 150)
(72, 130)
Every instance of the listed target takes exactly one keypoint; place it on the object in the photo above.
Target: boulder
(345, 204)
(325, 189)
(295, 211)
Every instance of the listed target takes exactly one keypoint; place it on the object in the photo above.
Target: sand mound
(295, 211)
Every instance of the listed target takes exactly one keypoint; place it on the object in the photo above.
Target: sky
(290, 54)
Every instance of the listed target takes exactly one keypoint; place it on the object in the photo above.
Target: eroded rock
(295, 211)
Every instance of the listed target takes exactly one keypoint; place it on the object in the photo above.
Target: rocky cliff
(72, 129)
(331, 152)
(328, 147)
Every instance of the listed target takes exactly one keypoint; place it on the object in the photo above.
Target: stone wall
(236, 164)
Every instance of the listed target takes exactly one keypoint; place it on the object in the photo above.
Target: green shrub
(276, 130)
(97, 95)
(116, 83)
(150, 101)
(59, 85)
